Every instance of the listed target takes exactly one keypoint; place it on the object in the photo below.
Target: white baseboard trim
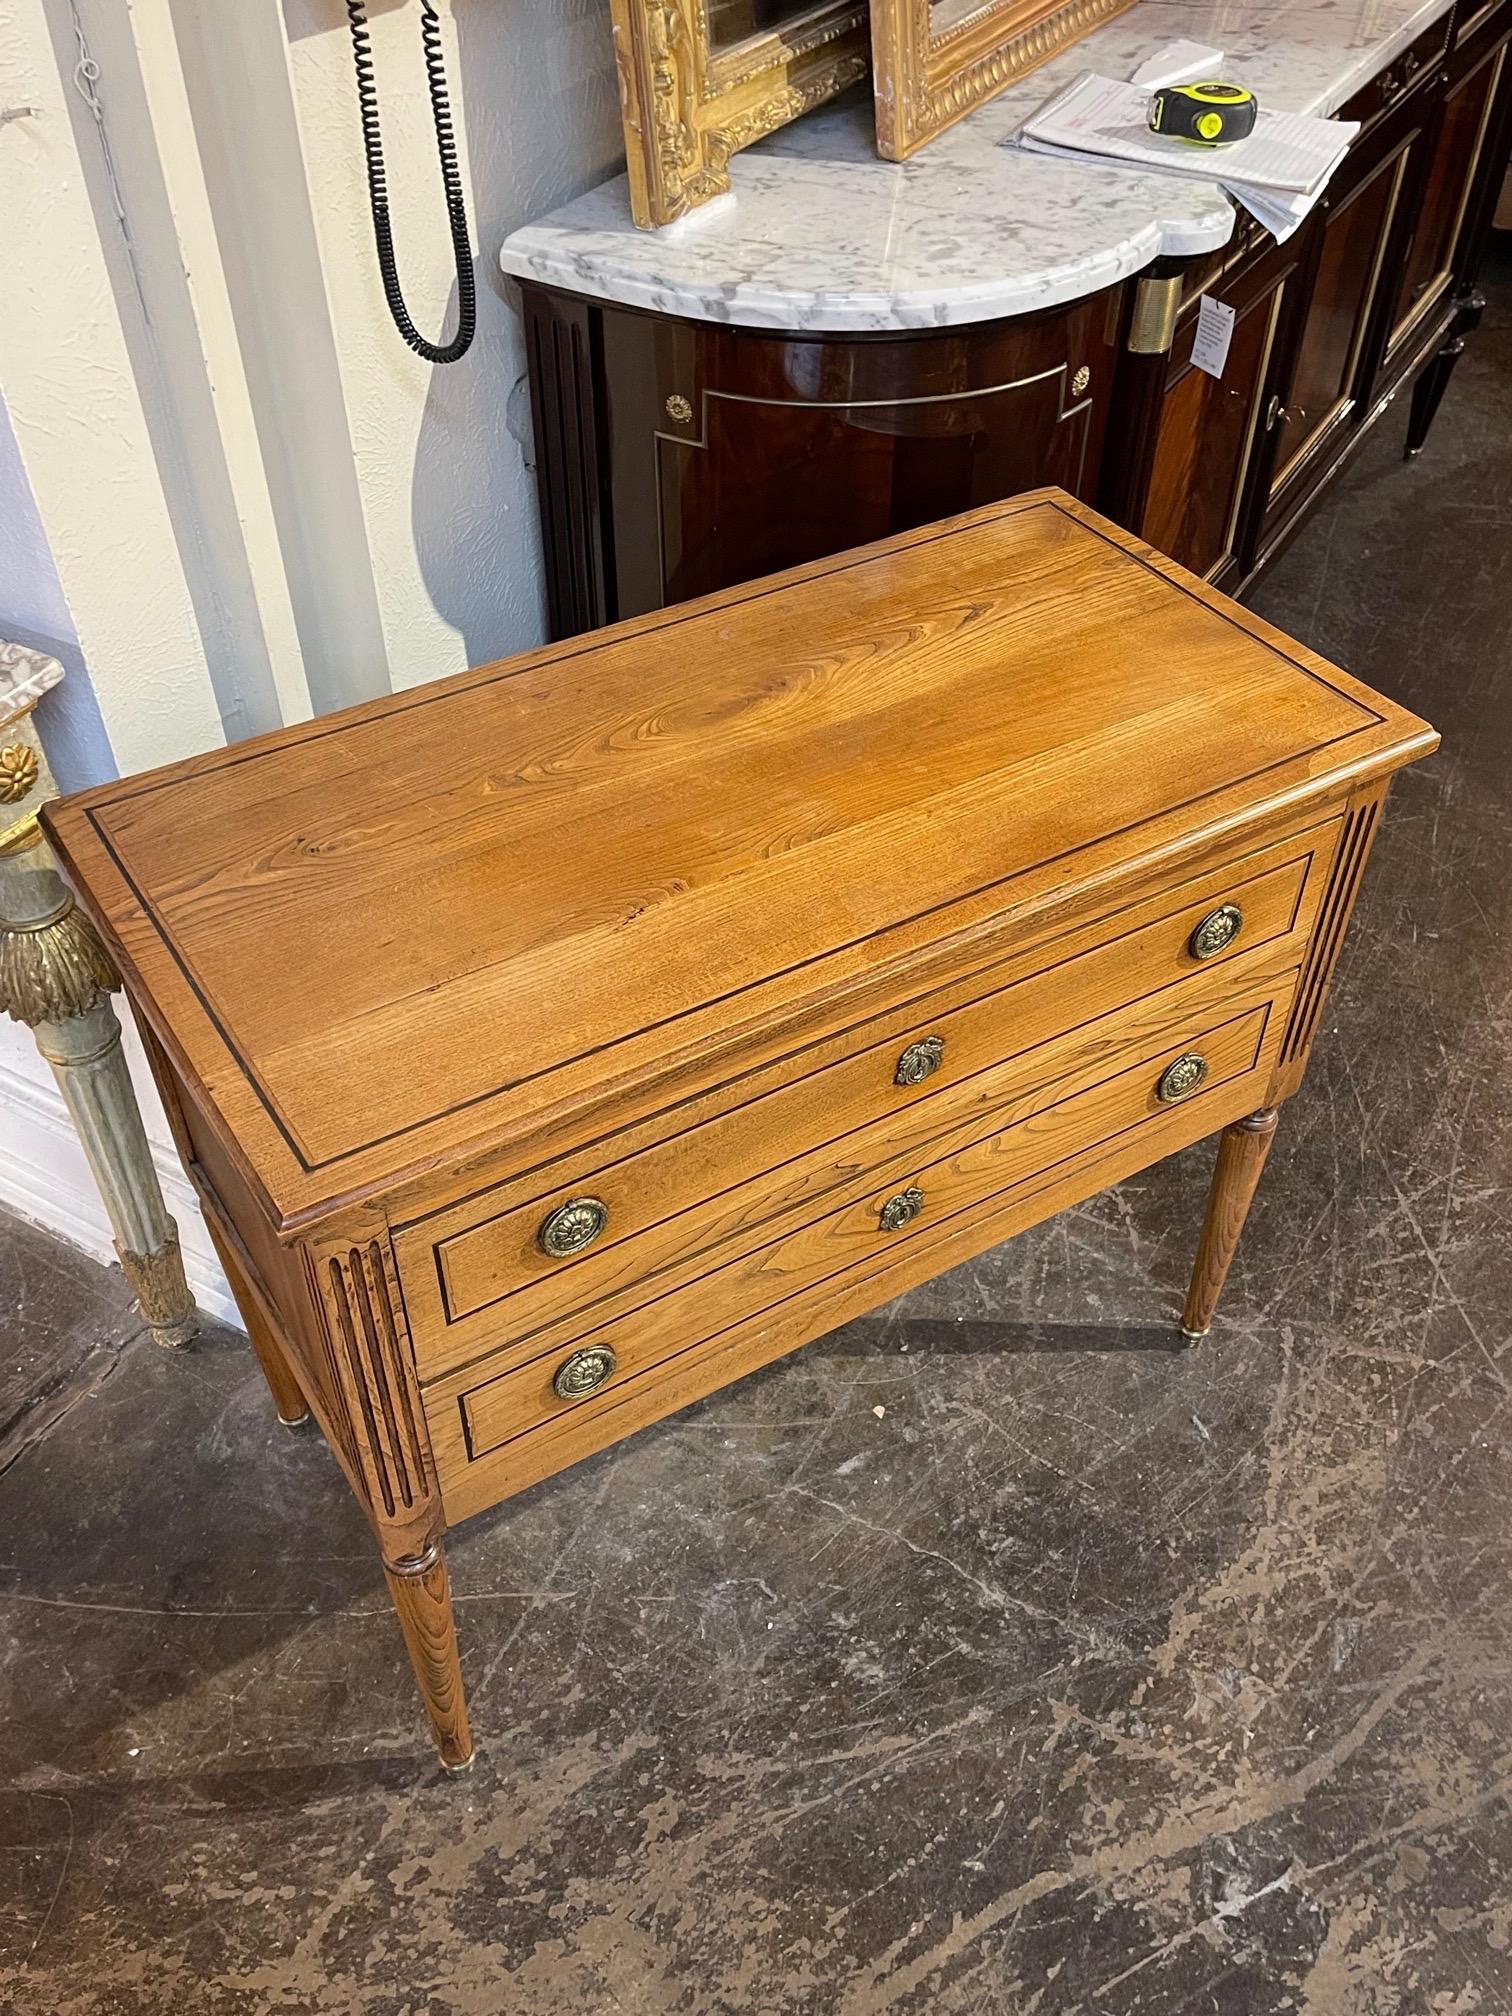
(44, 1177)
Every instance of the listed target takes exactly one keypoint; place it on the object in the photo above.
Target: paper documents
(1278, 173)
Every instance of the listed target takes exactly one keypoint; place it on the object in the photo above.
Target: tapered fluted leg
(288, 1398)
(288, 1395)
(421, 1589)
(1242, 1149)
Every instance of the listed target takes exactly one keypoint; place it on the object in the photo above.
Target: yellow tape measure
(1209, 115)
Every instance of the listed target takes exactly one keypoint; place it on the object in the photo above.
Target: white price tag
(1215, 329)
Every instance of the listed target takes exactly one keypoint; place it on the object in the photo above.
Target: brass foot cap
(460, 1770)
(1193, 1336)
(293, 1420)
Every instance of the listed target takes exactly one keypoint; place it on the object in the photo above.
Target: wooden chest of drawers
(554, 1044)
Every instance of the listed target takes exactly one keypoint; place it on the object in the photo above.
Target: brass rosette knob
(572, 1227)
(584, 1372)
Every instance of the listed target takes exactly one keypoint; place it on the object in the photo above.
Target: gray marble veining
(819, 233)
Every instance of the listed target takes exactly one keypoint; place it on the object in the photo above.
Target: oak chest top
(513, 894)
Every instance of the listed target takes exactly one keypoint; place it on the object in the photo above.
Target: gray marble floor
(982, 1658)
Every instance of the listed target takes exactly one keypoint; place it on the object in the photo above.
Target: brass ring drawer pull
(584, 1372)
(1216, 932)
(901, 1210)
(920, 1061)
(1181, 1079)
(572, 1227)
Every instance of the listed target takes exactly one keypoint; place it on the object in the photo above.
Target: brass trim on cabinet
(867, 405)
(700, 440)
(1152, 327)
(1236, 502)
(1463, 30)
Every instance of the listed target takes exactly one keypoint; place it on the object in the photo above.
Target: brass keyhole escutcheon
(920, 1061)
(1181, 1079)
(572, 1227)
(901, 1210)
(1217, 931)
(584, 1372)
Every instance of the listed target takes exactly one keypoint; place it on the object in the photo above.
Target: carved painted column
(56, 977)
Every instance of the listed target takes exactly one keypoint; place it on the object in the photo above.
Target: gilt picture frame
(689, 104)
(933, 61)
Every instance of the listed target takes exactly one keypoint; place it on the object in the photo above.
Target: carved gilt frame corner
(687, 108)
(924, 82)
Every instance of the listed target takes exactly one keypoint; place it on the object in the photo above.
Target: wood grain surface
(1242, 1149)
(421, 1591)
(470, 1485)
(652, 918)
(821, 1175)
(511, 888)
(488, 1261)
(983, 1157)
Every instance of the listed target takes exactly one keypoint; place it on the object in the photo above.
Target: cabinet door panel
(1320, 387)
(1451, 174)
(736, 453)
(849, 474)
(1209, 427)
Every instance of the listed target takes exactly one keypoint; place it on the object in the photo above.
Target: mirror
(933, 61)
(700, 79)
(732, 22)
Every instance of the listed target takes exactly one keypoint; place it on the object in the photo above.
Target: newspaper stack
(1277, 173)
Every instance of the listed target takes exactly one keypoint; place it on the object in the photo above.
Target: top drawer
(530, 1250)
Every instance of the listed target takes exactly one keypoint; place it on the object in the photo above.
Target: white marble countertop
(820, 233)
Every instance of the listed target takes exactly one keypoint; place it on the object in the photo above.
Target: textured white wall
(441, 452)
(77, 411)
(231, 491)
(31, 595)
(115, 603)
(33, 610)
(258, 499)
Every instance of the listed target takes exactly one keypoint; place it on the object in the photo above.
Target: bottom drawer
(493, 1434)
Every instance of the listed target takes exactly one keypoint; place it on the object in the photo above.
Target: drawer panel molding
(962, 1176)
(827, 1178)
(475, 1271)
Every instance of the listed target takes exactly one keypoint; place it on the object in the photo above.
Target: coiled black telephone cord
(451, 178)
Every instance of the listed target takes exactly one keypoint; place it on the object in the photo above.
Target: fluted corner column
(57, 979)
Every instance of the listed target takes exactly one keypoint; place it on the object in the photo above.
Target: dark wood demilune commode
(554, 1044)
(676, 457)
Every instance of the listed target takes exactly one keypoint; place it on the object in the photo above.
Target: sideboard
(855, 347)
